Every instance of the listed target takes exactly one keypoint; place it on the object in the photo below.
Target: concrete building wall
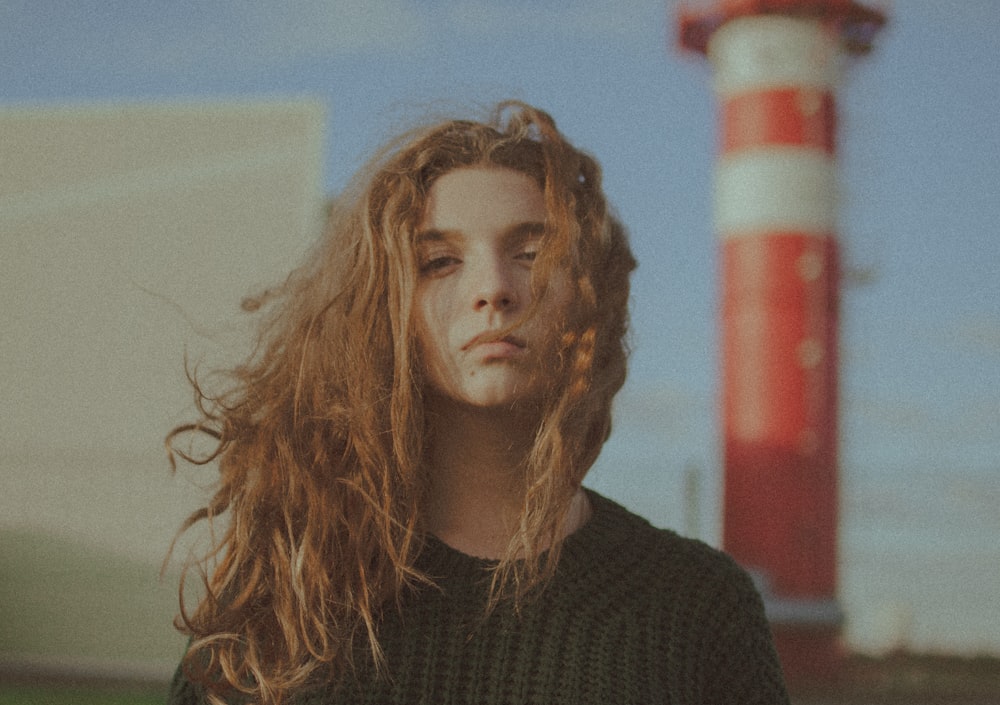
(128, 235)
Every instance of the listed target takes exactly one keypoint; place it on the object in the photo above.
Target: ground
(908, 679)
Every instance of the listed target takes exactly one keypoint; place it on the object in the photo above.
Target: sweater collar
(587, 547)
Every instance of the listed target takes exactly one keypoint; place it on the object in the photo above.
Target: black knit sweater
(634, 614)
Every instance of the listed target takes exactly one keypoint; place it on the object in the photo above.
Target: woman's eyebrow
(530, 227)
(431, 235)
(526, 230)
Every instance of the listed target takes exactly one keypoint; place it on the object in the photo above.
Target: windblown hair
(320, 434)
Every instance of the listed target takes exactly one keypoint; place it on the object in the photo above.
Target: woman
(401, 460)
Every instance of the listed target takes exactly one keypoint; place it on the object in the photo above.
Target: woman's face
(476, 246)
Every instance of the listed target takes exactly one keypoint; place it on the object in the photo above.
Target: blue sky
(920, 155)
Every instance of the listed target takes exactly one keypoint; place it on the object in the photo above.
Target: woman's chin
(497, 398)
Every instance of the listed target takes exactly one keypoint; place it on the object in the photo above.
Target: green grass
(48, 695)
(64, 598)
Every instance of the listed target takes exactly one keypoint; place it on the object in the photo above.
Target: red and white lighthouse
(776, 66)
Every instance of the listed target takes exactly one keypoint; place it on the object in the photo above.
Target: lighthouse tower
(776, 65)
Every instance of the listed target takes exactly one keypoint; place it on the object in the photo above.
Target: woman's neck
(476, 463)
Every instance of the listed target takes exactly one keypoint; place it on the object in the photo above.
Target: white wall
(127, 234)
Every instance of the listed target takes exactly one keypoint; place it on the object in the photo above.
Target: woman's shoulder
(660, 558)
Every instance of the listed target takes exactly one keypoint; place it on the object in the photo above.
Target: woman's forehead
(482, 197)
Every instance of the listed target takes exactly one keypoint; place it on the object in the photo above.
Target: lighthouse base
(810, 655)
(807, 635)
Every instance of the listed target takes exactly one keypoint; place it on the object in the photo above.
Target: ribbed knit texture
(633, 615)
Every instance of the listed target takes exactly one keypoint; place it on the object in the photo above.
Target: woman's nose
(493, 285)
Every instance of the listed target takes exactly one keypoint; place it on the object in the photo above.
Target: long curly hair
(319, 434)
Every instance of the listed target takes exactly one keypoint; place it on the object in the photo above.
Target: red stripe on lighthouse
(802, 117)
(779, 323)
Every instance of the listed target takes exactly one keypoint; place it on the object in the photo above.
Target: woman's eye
(437, 264)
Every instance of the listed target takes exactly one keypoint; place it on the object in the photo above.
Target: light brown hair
(320, 432)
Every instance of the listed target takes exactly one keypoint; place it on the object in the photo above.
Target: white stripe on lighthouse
(769, 51)
(775, 189)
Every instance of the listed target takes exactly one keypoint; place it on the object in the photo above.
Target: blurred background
(163, 160)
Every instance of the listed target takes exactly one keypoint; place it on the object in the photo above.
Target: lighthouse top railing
(857, 24)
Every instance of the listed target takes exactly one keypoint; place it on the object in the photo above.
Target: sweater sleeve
(184, 692)
(745, 667)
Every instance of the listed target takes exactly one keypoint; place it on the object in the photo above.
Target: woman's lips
(488, 346)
